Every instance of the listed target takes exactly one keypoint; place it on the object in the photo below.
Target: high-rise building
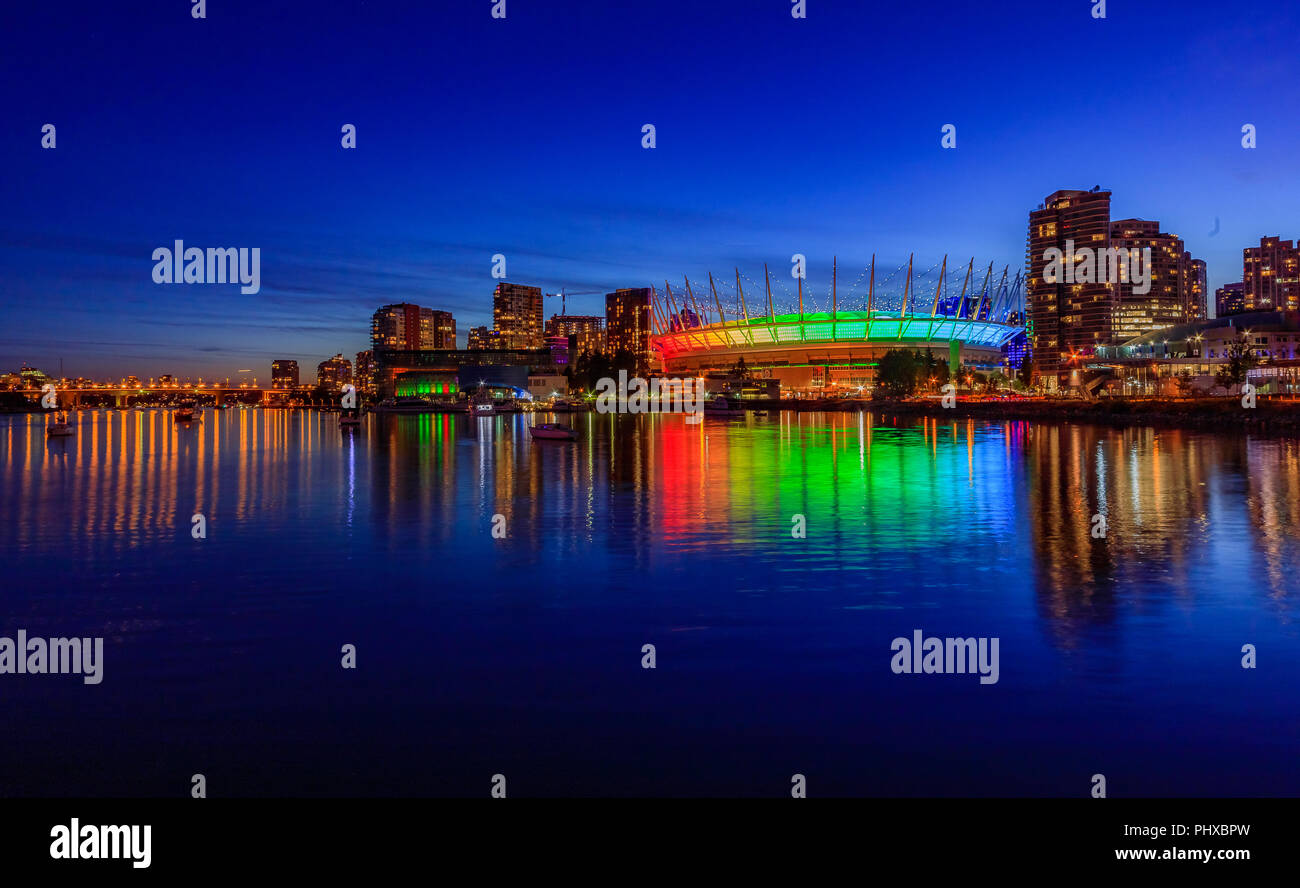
(683, 320)
(1198, 308)
(443, 334)
(1230, 299)
(1271, 275)
(407, 327)
(627, 324)
(517, 315)
(559, 348)
(586, 333)
(284, 374)
(1168, 300)
(363, 374)
(1067, 321)
(480, 338)
(334, 373)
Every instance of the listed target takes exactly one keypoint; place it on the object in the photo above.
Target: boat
(481, 403)
(563, 405)
(184, 411)
(405, 405)
(349, 417)
(58, 427)
(553, 431)
(719, 405)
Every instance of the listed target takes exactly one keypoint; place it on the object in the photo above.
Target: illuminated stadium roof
(845, 328)
(917, 310)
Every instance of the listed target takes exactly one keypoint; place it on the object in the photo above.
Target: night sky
(478, 136)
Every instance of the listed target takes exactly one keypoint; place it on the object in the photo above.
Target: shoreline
(1220, 414)
(1227, 414)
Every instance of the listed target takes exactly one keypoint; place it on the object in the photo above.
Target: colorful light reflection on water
(522, 655)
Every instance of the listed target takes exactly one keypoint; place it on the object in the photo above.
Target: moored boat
(405, 405)
(720, 405)
(553, 431)
(481, 403)
(58, 427)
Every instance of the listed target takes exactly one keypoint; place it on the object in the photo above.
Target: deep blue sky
(523, 137)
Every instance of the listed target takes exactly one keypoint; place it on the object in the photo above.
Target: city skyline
(749, 166)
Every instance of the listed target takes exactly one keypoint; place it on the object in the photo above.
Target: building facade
(1230, 299)
(405, 326)
(443, 330)
(1066, 321)
(363, 373)
(334, 373)
(480, 338)
(585, 333)
(627, 324)
(1186, 358)
(1270, 274)
(517, 315)
(1199, 307)
(447, 372)
(284, 374)
(1169, 299)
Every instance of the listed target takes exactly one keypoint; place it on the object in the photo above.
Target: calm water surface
(522, 656)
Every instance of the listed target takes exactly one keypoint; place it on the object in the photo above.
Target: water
(522, 656)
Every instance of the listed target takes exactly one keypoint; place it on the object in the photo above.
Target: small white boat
(481, 403)
(184, 411)
(58, 427)
(553, 431)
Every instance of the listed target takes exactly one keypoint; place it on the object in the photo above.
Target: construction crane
(564, 294)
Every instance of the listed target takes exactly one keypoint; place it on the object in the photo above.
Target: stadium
(812, 344)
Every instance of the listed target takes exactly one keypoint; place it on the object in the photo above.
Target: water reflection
(874, 490)
(647, 529)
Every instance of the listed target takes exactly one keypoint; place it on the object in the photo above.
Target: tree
(896, 372)
(1026, 373)
(589, 369)
(931, 372)
(624, 359)
(1240, 359)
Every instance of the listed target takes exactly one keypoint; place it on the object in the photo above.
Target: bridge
(70, 397)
